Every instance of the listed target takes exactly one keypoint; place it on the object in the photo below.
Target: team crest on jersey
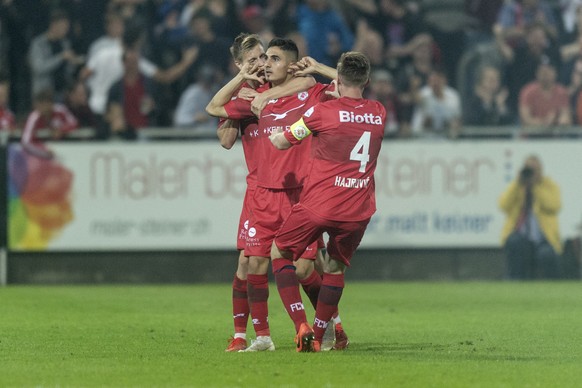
(309, 112)
(303, 96)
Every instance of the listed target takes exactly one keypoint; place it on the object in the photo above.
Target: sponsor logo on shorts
(252, 232)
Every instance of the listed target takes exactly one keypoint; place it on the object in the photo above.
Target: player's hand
(247, 94)
(305, 66)
(335, 91)
(252, 72)
(259, 103)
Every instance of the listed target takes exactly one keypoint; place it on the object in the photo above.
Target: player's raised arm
(308, 65)
(216, 106)
(295, 85)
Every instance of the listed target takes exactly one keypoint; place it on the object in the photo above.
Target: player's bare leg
(240, 305)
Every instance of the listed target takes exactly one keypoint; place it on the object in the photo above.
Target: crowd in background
(438, 66)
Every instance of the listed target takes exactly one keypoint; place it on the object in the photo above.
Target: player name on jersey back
(351, 183)
(351, 117)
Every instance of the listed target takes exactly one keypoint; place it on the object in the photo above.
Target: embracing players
(339, 193)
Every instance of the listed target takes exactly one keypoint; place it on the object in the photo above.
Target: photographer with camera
(531, 235)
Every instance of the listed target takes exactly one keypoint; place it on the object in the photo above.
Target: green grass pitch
(461, 334)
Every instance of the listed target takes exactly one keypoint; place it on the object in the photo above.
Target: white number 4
(361, 152)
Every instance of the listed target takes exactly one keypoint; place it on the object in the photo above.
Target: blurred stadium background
(163, 207)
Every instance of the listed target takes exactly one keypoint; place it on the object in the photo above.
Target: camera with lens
(526, 174)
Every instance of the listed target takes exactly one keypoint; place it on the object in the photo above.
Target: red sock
(330, 294)
(311, 286)
(288, 287)
(258, 291)
(240, 305)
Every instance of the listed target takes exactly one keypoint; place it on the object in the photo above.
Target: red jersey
(276, 169)
(347, 137)
(61, 118)
(239, 109)
(285, 169)
(7, 120)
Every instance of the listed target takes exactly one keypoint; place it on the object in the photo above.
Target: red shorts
(243, 222)
(269, 208)
(302, 227)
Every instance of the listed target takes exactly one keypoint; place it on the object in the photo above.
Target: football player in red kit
(247, 52)
(339, 193)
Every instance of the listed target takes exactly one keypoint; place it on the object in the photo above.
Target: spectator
(169, 35)
(17, 25)
(574, 89)
(222, 13)
(516, 16)
(544, 102)
(394, 22)
(530, 235)
(87, 21)
(571, 46)
(438, 113)
(488, 104)
(325, 31)
(114, 25)
(382, 90)
(106, 67)
(191, 109)
(51, 59)
(255, 21)
(485, 11)
(131, 104)
(280, 14)
(523, 61)
(134, 10)
(412, 76)
(47, 114)
(570, 16)
(77, 101)
(212, 49)
(7, 119)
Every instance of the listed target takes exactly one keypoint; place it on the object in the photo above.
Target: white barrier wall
(168, 196)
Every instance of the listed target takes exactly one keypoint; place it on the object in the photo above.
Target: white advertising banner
(445, 194)
(168, 196)
(145, 196)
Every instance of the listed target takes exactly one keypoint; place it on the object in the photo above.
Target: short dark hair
(287, 45)
(353, 68)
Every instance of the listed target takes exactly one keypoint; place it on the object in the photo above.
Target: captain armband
(299, 130)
